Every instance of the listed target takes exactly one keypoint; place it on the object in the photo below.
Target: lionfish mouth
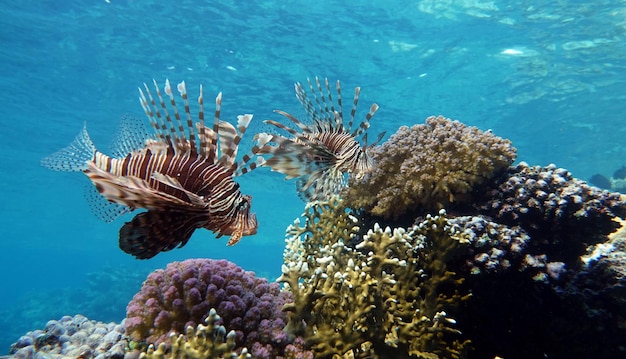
(245, 225)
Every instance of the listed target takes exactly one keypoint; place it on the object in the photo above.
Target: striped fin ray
(355, 102)
(304, 100)
(174, 183)
(152, 111)
(202, 136)
(244, 166)
(322, 111)
(176, 129)
(213, 135)
(320, 100)
(228, 144)
(303, 127)
(330, 114)
(182, 90)
(365, 124)
(293, 158)
(133, 192)
(305, 138)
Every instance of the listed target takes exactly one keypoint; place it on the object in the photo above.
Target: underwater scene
(313, 179)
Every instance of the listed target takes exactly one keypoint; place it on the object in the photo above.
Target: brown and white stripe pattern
(322, 153)
(183, 176)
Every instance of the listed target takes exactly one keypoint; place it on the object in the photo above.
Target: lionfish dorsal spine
(171, 136)
(355, 102)
(365, 124)
(182, 89)
(213, 134)
(228, 149)
(183, 140)
(201, 127)
(149, 107)
(230, 138)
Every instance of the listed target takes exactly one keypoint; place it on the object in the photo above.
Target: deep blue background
(551, 78)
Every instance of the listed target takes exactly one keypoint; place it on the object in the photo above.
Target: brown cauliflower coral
(428, 167)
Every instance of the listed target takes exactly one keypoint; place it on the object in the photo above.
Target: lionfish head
(363, 163)
(244, 222)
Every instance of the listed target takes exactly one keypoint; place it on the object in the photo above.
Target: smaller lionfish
(322, 153)
(177, 175)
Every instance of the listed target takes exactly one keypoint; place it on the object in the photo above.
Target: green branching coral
(386, 298)
(205, 342)
(428, 167)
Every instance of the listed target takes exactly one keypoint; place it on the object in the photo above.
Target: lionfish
(320, 154)
(177, 175)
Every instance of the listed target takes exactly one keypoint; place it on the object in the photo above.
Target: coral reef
(386, 298)
(182, 295)
(73, 337)
(208, 341)
(562, 214)
(427, 167)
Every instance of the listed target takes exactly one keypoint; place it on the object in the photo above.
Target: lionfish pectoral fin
(131, 191)
(73, 158)
(152, 232)
(235, 237)
(174, 183)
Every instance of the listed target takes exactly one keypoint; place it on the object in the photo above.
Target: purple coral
(183, 293)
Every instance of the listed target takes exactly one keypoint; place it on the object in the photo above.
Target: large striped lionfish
(320, 154)
(177, 175)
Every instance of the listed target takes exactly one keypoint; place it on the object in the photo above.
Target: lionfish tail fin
(73, 158)
(152, 232)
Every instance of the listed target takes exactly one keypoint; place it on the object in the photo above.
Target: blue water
(552, 78)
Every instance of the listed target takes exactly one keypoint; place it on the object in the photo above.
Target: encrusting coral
(427, 167)
(180, 296)
(385, 298)
(562, 214)
(73, 337)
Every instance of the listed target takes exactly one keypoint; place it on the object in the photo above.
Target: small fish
(176, 174)
(320, 155)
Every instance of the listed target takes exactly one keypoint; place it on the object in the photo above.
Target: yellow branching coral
(385, 298)
(427, 167)
(205, 342)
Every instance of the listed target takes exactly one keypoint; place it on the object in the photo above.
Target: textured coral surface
(182, 294)
(73, 337)
(428, 167)
(385, 298)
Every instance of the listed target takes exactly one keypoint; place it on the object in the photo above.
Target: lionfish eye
(243, 205)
